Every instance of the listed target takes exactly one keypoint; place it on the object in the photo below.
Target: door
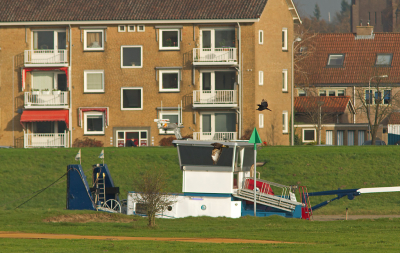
(218, 87)
(328, 138)
(206, 47)
(340, 138)
(49, 46)
(350, 138)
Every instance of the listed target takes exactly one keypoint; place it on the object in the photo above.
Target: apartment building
(107, 69)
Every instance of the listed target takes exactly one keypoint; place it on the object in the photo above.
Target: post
(255, 178)
(346, 212)
(292, 92)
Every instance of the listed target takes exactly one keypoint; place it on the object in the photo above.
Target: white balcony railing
(214, 97)
(218, 136)
(58, 98)
(45, 140)
(46, 57)
(216, 55)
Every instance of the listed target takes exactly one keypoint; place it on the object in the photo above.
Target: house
(363, 67)
(106, 69)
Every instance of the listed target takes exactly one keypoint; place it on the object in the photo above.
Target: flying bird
(263, 106)
(217, 151)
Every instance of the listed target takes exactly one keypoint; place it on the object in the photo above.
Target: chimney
(364, 30)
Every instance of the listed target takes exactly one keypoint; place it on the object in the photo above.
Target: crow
(263, 106)
(217, 151)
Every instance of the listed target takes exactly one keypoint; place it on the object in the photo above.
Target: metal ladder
(100, 185)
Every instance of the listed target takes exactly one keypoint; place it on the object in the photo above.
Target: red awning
(44, 115)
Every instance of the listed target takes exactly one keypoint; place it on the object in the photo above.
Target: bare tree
(151, 192)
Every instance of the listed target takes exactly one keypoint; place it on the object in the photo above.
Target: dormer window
(384, 59)
(335, 60)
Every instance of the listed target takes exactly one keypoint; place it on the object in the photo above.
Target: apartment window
(386, 97)
(261, 120)
(94, 123)
(169, 80)
(284, 39)
(340, 93)
(132, 98)
(140, 28)
(93, 81)
(49, 80)
(123, 137)
(322, 93)
(285, 128)
(332, 93)
(284, 80)
(260, 77)
(93, 40)
(49, 39)
(260, 37)
(131, 28)
(335, 60)
(384, 60)
(301, 93)
(121, 28)
(131, 57)
(309, 135)
(169, 39)
(375, 97)
(173, 117)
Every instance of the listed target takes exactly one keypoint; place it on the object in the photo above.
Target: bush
(87, 142)
(167, 141)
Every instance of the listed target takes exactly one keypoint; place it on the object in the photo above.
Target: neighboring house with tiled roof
(116, 66)
(347, 65)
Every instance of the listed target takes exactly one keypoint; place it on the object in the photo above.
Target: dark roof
(99, 10)
(331, 104)
(359, 59)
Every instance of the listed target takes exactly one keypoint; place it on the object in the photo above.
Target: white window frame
(382, 90)
(131, 130)
(301, 92)
(160, 32)
(336, 90)
(285, 80)
(85, 72)
(56, 31)
(285, 39)
(139, 28)
(285, 125)
(261, 120)
(122, 98)
(121, 28)
(85, 48)
(131, 30)
(122, 57)
(260, 77)
(85, 114)
(260, 37)
(160, 80)
(161, 131)
(315, 134)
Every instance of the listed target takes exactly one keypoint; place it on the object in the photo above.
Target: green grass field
(25, 171)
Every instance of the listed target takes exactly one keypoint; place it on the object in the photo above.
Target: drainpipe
(354, 104)
(70, 85)
(13, 99)
(240, 81)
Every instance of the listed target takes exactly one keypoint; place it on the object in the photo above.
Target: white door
(350, 138)
(340, 138)
(328, 138)
(361, 137)
(207, 47)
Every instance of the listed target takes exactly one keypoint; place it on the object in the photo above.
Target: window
(340, 93)
(49, 80)
(131, 57)
(284, 39)
(384, 59)
(260, 77)
(260, 37)
(169, 39)
(94, 123)
(132, 98)
(124, 136)
(121, 28)
(301, 93)
(49, 39)
(322, 93)
(339, 136)
(261, 120)
(93, 81)
(169, 80)
(140, 28)
(93, 40)
(217, 38)
(309, 135)
(173, 117)
(332, 93)
(285, 128)
(218, 126)
(375, 97)
(335, 60)
(284, 80)
(131, 28)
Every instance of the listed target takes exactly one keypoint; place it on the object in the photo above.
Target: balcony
(46, 57)
(215, 56)
(55, 99)
(45, 140)
(214, 98)
(217, 136)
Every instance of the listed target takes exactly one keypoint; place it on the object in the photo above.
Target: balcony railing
(45, 140)
(215, 55)
(46, 57)
(214, 97)
(57, 99)
(218, 136)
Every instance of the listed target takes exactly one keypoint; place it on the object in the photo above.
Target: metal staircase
(100, 185)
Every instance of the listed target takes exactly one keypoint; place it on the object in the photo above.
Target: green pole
(255, 138)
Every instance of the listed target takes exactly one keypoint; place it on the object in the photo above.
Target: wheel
(112, 205)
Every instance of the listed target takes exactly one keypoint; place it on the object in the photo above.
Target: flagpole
(255, 138)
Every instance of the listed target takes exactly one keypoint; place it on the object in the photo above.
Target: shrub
(167, 141)
(87, 142)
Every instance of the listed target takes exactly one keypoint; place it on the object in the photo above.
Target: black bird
(217, 151)
(263, 106)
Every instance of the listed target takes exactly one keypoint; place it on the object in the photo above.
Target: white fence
(214, 97)
(46, 56)
(218, 136)
(214, 54)
(45, 140)
(57, 98)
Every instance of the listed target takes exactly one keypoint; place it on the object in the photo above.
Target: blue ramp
(78, 190)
